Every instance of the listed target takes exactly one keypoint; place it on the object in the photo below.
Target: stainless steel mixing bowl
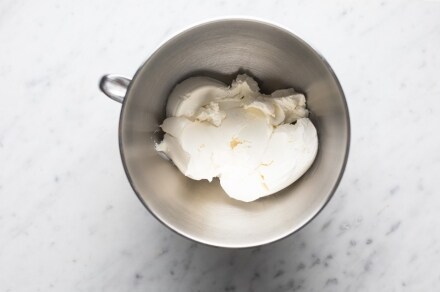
(220, 49)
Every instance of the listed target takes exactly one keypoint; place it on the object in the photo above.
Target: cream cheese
(255, 144)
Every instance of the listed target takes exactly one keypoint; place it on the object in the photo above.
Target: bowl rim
(331, 193)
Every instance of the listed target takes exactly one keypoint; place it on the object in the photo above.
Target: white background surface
(69, 220)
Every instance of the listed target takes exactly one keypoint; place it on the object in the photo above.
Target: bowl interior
(222, 49)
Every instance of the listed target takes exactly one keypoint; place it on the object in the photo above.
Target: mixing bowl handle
(114, 86)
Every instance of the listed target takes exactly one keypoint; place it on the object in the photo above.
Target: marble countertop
(69, 220)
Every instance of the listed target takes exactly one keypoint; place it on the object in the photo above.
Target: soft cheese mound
(255, 144)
